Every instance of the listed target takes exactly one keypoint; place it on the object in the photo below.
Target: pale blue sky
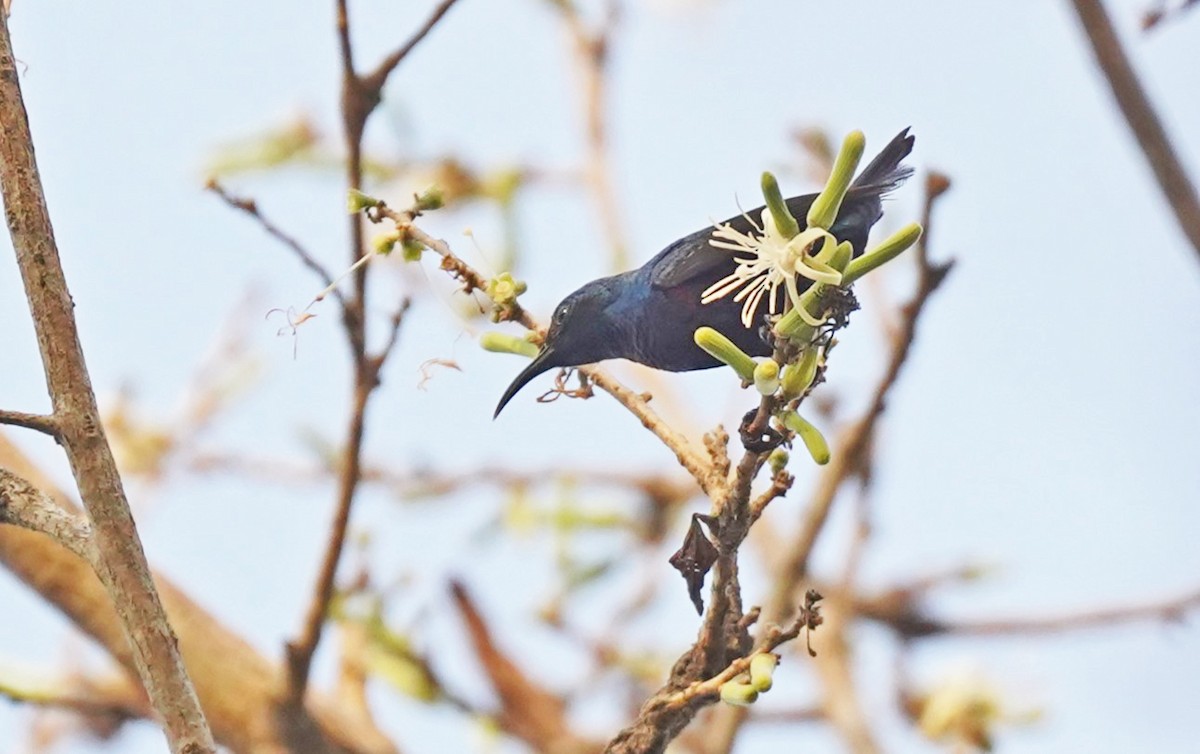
(1047, 422)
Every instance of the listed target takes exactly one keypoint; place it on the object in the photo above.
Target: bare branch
(851, 456)
(359, 98)
(38, 422)
(375, 80)
(250, 207)
(902, 613)
(853, 443)
(301, 649)
(121, 562)
(1140, 115)
(528, 711)
(590, 50)
(22, 504)
(114, 697)
(224, 667)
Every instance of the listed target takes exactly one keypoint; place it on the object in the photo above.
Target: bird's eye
(560, 314)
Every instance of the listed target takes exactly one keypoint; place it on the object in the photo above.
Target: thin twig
(700, 469)
(854, 442)
(376, 78)
(359, 97)
(1140, 115)
(909, 620)
(591, 54)
(116, 697)
(250, 207)
(43, 423)
(851, 449)
(527, 710)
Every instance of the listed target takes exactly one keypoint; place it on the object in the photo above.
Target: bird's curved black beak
(543, 362)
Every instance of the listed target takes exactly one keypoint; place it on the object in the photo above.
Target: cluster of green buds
(744, 689)
(790, 382)
(503, 291)
(785, 252)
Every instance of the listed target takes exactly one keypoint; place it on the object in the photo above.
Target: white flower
(771, 262)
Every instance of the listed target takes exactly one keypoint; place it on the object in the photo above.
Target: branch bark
(238, 687)
(121, 563)
(22, 504)
(1140, 115)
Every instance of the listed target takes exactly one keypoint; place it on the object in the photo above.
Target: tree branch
(375, 80)
(114, 697)
(43, 423)
(591, 55)
(250, 207)
(359, 97)
(909, 620)
(851, 455)
(121, 562)
(237, 686)
(1140, 115)
(22, 504)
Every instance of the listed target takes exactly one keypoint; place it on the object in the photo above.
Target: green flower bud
(824, 209)
(430, 199)
(892, 247)
(762, 668)
(385, 242)
(797, 324)
(501, 343)
(797, 377)
(812, 438)
(782, 217)
(778, 460)
(502, 185)
(357, 201)
(738, 694)
(412, 249)
(766, 377)
(840, 259)
(504, 290)
(723, 349)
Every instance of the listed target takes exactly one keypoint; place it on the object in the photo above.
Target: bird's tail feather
(885, 173)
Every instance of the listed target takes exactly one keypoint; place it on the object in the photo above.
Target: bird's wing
(693, 256)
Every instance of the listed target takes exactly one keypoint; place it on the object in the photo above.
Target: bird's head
(582, 331)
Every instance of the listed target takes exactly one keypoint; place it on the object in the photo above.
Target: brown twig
(664, 489)
(44, 423)
(700, 469)
(22, 504)
(250, 207)
(591, 54)
(909, 620)
(121, 562)
(1140, 115)
(378, 77)
(834, 665)
(360, 95)
(854, 442)
(851, 451)
(114, 698)
(237, 685)
(528, 711)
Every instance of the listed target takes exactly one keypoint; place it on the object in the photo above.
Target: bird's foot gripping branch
(781, 255)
